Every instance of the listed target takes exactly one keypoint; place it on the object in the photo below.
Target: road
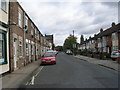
(70, 72)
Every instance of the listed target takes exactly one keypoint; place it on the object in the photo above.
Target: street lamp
(74, 45)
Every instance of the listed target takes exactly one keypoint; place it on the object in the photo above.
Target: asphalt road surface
(70, 72)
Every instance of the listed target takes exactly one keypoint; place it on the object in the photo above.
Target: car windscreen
(48, 55)
(114, 52)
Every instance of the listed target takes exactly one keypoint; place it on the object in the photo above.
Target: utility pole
(74, 45)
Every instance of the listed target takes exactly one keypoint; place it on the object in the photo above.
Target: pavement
(19, 77)
(106, 63)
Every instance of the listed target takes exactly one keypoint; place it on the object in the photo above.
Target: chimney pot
(113, 24)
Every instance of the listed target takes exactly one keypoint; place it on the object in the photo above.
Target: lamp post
(74, 45)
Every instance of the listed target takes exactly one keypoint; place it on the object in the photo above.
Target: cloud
(61, 18)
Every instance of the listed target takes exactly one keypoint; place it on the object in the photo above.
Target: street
(71, 72)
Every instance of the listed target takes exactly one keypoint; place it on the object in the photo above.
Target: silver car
(115, 55)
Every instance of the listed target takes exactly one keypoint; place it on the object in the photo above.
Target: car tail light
(119, 51)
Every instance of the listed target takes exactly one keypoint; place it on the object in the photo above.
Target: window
(20, 17)
(3, 48)
(27, 48)
(4, 5)
(35, 33)
(38, 36)
(32, 48)
(26, 23)
(20, 48)
(114, 36)
(36, 49)
(32, 29)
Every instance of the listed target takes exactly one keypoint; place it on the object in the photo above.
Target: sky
(61, 17)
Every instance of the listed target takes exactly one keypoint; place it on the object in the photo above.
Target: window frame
(20, 48)
(27, 48)
(20, 17)
(32, 27)
(26, 22)
(4, 8)
(5, 47)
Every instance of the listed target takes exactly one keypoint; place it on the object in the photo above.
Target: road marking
(39, 71)
(31, 82)
(33, 79)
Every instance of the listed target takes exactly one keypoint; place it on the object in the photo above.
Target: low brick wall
(102, 56)
(118, 60)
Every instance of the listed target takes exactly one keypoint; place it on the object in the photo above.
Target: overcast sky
(61, 17)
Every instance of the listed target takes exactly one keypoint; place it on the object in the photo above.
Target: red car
(48, 59)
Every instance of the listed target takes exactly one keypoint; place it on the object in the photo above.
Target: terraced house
(4, 36)
(21, 42)
(104, 42)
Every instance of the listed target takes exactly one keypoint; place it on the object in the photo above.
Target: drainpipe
(10, 70)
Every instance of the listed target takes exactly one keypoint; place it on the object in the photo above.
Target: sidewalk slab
(20, 76)
(107, 63)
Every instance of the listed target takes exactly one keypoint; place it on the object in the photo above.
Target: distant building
(50, 38)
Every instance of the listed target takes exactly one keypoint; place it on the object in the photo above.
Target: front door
(29, 52)
(15, 53)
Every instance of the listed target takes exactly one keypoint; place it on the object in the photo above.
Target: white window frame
(26, 22)
(4, 5)
(27, 48)
(20, 48)
(20, 18)
(33, 48)
(32, 33)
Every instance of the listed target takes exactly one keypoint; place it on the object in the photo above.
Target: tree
(69, 42)
(59, 48)
(81, 39)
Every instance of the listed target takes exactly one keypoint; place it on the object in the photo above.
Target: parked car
(52, 51)
(69, 52)
(115, 55)
(48, 58)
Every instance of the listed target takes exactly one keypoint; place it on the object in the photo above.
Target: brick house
(105, 41)
(4, 36)
(50, 39)
(21, 42)
(26, 41)
(17, 40)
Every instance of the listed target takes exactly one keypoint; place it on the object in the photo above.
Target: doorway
(15, 53)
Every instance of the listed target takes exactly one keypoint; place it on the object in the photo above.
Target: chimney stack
(90, 37)
(113, 24)
(94, 35)
(101, 30)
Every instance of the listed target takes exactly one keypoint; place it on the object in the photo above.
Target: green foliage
(68, 43)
